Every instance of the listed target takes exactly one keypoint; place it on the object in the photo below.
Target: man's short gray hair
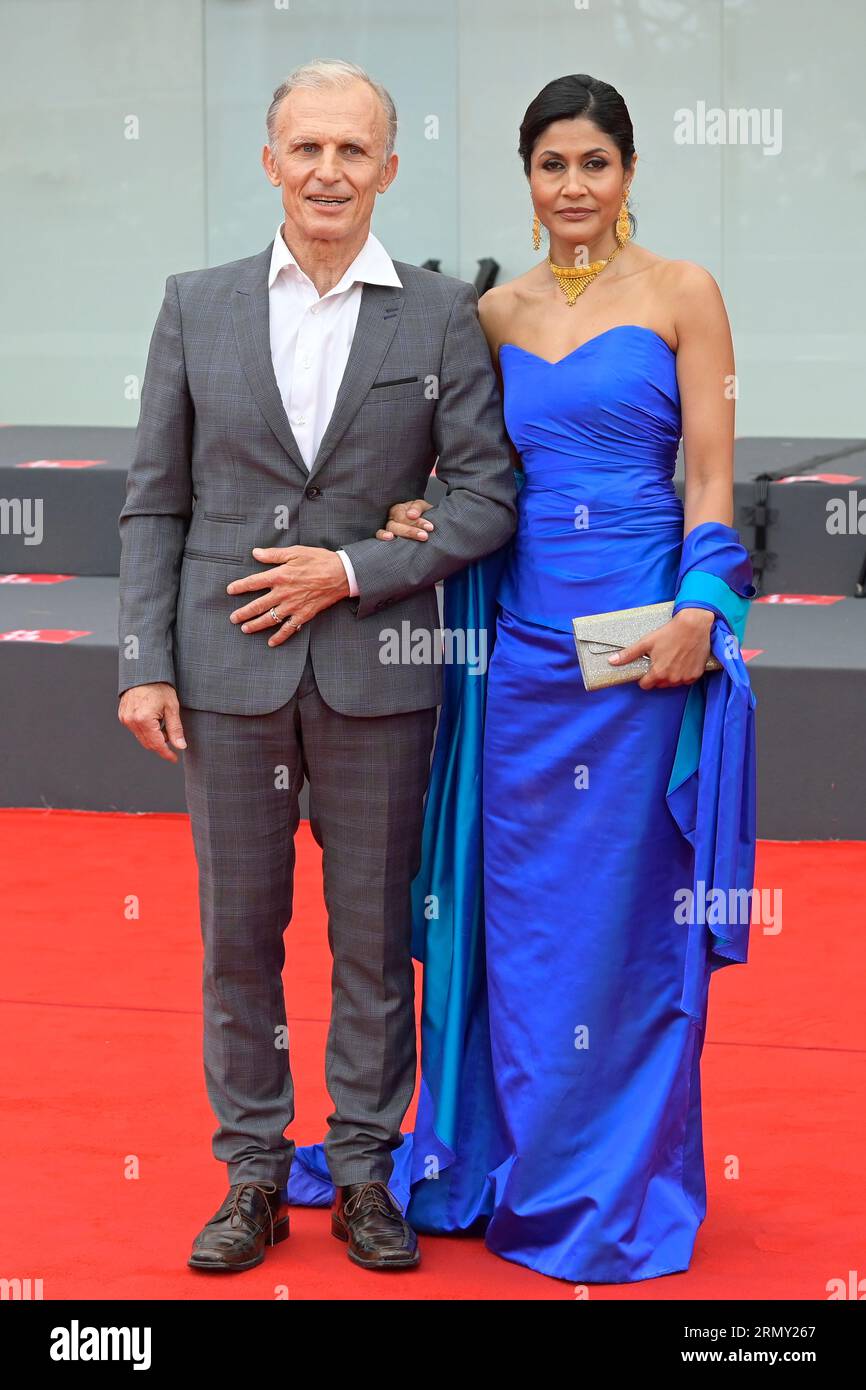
(332, 72)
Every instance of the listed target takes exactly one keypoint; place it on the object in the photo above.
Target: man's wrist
(352, 590)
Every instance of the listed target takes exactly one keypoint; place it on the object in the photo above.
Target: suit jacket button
(314, 491)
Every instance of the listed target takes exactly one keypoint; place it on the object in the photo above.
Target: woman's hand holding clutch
(678, 651)
(404, 520)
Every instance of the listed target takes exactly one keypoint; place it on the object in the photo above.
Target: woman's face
(576, 168)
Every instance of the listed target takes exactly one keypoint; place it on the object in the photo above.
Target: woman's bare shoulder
(695, 298)
(672, 272)
(686, 279)
(495, 303)
(497, 306)
(494, 308)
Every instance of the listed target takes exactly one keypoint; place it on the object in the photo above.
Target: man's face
(329, 150)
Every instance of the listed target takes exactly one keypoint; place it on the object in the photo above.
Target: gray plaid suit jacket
(217, 470)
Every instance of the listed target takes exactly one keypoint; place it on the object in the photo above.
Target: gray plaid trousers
(367, 780)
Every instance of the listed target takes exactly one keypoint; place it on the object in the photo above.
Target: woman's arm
(707, 385)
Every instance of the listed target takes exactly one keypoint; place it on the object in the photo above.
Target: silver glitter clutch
(599, 635)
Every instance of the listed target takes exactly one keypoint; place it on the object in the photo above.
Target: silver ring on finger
(275, 615)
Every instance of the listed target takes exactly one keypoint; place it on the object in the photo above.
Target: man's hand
(305, 579)
(404, 520)
(678, 651)
(152, 713)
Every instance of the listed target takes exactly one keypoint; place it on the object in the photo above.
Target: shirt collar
(372, 265)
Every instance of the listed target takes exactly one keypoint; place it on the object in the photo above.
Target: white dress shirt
(311, 338)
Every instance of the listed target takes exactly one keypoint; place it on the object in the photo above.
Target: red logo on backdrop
(61, 463)
(801, 598)
(748, 652)
(822, 478)
(35, 578)
(43, 634)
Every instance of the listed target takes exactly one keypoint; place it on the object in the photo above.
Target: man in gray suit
(289, 399)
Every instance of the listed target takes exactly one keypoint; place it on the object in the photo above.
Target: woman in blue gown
(572, 839)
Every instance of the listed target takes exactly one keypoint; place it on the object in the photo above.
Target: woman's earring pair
(623, 226)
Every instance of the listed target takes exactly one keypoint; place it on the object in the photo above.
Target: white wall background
(93, 221)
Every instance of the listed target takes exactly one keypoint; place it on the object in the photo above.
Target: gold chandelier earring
(536, 231)
(623, 225)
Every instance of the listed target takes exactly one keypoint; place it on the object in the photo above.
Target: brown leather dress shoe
(368, 1216)
(252, 1217)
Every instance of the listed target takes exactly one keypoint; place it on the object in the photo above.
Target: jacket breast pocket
(410, 390)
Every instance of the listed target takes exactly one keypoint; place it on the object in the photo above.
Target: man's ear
(389, 174)
(270, 167)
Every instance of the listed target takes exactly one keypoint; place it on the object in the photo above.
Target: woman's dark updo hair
(564, 99)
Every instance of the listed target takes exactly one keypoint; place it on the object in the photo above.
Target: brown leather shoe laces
(374, 1196)
(234, 1209)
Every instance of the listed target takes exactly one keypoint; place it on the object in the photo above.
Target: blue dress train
(565, 993)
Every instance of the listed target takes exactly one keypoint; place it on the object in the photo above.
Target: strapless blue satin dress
(564, 1006)
(596, 1065)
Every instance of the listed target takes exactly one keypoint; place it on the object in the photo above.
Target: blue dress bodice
(600, 526)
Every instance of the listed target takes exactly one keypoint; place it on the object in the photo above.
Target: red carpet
(102, 1078)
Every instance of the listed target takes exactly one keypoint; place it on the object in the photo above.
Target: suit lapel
(252, 333)
(378, 316)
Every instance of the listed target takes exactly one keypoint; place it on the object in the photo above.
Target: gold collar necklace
(573, 279)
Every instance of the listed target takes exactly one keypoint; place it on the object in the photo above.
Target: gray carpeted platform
(62, 745)
(79, 505)
(798, 550)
